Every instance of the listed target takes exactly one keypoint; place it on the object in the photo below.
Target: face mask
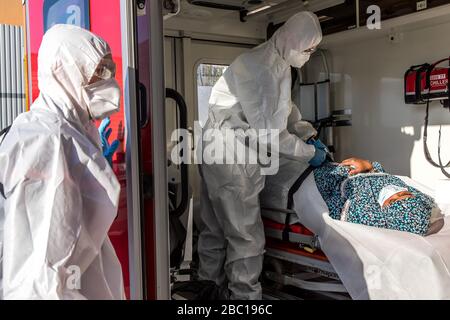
(102, 98)
(387, 192)
(297, 59)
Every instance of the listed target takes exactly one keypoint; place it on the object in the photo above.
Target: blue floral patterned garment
(355, 199)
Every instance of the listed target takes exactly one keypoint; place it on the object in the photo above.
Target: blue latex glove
(319, 158)
(105, 133)
(318, 144)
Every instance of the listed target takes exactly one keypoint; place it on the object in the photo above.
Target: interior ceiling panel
(206, 10)
(260, 10)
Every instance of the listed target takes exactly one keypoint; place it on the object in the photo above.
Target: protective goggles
(310, 51)
(106, 70)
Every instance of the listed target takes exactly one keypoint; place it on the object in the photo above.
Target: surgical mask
(387, 192)
(102, 98)
(297, 59)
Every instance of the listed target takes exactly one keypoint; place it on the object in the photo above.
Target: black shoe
(200, 290)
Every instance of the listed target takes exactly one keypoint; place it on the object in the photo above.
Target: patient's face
(397, 197)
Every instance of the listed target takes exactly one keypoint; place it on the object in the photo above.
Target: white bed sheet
(376, 263)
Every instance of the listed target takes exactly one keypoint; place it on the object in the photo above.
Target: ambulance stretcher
(298, 246)
(372, 263)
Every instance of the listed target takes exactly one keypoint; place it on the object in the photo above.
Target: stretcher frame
(316, 266)
(318, 275)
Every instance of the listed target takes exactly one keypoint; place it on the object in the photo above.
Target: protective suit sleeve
(294, 148)
(302, 129)
(264, 108)
(42, 226)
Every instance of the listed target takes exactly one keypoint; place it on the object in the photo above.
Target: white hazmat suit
(61, 196)
(253, 93)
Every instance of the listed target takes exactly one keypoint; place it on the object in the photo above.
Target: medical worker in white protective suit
(60, 195)
(253, 93)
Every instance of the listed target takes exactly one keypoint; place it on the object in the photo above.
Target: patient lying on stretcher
(361, 192)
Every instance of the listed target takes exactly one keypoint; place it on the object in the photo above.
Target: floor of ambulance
(275, 291)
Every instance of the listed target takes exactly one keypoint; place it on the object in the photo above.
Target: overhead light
(289, 7)
(267, 8)
(325, 18)
(258, 10)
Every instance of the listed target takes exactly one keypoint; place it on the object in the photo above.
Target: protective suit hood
(255, 91)
(68, 58)
(301, 32)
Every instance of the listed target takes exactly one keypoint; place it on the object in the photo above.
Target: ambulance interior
(352, 88)
(376, 88)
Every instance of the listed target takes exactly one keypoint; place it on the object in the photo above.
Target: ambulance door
(143, 67)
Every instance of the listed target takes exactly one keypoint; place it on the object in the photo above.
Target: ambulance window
(207, 76)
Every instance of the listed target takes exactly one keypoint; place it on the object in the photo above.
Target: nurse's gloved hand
(105, 133)
(319, 158)
(318, 144)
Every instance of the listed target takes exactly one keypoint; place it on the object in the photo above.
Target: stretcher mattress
(378, 263)
(294, 228)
